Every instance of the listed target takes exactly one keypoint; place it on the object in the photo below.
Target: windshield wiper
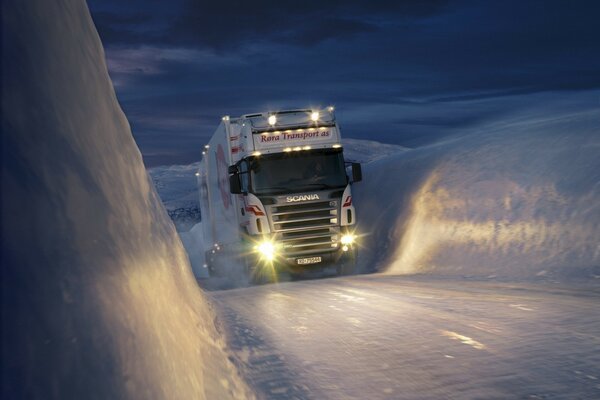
(269, 190)
(322, 185)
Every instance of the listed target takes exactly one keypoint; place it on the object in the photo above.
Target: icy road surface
(386, 337)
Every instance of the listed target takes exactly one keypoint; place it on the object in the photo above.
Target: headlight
(266, 250)
(348, 239)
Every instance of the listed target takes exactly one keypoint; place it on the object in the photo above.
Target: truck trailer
(275, 195)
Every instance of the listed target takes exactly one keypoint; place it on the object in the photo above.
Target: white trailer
(275, 194)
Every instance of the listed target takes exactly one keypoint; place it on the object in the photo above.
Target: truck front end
(294, 191)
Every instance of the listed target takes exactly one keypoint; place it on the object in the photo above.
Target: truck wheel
(210, 264)
(348, 268)
(347, 264)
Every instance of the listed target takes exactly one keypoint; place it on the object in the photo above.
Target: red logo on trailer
(223, 176)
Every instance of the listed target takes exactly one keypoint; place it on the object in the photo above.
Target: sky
(403, 72)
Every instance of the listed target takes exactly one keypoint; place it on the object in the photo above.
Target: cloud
(224, 25)
(150, 60)
(407, 72)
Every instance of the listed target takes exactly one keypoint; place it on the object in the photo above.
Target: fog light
(345, 248)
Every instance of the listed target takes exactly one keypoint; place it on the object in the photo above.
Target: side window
(244, 175)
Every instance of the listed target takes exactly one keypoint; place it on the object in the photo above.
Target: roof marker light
(226, 118)
(314, 116)
(330, 108)
(272, 119)
(206, 146)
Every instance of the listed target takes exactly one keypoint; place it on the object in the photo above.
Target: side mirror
(234, 184)
(356, 172)
(232, 169)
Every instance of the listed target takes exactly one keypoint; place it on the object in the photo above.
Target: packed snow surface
(420, 337)
(98, 300)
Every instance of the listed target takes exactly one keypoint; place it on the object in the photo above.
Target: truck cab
(290, 188)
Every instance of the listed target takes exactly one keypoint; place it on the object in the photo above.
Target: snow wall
(98, 300)
(511, 201)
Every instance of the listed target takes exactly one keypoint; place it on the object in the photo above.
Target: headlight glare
(348, 239)
(266, 250)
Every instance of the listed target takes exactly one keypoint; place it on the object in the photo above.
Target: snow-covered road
(389, 337)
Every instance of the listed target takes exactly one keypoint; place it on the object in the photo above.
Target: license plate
(308, 260)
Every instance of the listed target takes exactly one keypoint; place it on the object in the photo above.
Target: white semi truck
(275, 194)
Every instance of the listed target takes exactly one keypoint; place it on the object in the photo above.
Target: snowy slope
(518, 199)
(98, 300)
(178, 190)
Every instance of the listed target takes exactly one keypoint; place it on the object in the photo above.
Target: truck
(276, 195)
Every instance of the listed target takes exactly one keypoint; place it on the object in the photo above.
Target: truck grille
(306, 228)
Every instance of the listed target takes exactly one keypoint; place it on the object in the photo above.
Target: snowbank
(193, 242)
(515, 200)
(98, 300)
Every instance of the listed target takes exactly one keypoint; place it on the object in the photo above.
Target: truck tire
(347, 264)
(210, 265)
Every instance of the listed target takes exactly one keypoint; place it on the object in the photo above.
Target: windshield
(297, 172)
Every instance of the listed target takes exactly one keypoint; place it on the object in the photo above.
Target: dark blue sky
(404, 72)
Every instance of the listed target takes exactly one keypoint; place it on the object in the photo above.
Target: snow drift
(514, 200)
(98, 300)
